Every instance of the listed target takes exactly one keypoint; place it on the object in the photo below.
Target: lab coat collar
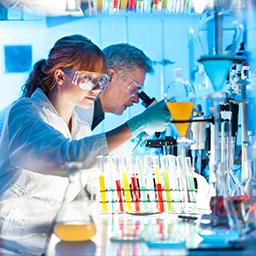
(40, 98)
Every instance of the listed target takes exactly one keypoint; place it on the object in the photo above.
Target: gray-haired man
(127, 66)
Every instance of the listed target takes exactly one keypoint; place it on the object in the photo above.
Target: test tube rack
(151, 185)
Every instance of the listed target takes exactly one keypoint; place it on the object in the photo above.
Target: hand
(153, 119)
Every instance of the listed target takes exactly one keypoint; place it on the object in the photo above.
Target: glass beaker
(74, 221)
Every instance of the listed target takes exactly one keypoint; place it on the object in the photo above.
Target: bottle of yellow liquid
(74, 221)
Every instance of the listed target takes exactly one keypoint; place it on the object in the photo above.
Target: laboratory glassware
(74, 221)
(102, 184)
(217, 68)
(180, 98)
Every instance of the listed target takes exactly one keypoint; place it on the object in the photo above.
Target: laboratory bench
(150, 234)
(135, 234)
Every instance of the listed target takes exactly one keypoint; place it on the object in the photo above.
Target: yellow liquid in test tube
(99, 6)
(123, 4)
(72, 232)
(181, 111)
(103, 194)
(127, 194)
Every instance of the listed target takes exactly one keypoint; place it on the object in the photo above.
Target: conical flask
(74, 221)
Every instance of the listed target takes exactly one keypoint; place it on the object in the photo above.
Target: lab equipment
(180, 98)
(198, 133)
(102, 184)
(151, 184)
(74, 221)
(166, 244)
(146, 100)
(217, 68)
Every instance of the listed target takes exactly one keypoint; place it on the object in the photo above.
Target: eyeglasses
(88, 80)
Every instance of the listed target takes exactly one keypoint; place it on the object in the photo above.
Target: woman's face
(82, 87)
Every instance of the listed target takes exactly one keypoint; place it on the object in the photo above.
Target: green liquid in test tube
(167, 190)
(165, 166)
(164, 4)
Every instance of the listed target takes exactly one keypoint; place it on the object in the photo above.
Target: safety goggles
(132, 86)
(88, 80)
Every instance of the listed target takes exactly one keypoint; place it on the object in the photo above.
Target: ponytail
(38, 78)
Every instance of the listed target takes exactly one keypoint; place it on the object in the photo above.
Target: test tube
(99, 6)
(180, 163)
(123, 5)
(102, 185)
(134, 185)
(191, 184)
(110, 183)
(139, 6)
(140, 169)
(131, 5)
(127, 194)
(175, 184)
(147, 5)
(117, 184)
(158, 185)
(165, 167)
(151, 184)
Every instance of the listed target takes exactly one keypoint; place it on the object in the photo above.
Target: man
(127, 67)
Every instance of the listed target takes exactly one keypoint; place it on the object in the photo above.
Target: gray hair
(125, 57)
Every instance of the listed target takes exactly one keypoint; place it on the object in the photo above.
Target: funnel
(217, 68)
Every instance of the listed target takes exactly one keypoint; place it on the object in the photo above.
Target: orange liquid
(74, 232)
(181, 111)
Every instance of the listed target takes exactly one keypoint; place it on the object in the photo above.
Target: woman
(42, 131)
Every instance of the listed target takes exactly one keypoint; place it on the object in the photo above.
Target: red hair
(75, 52)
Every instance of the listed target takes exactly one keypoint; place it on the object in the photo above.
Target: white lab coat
(34, 146)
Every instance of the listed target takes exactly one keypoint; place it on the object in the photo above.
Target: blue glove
(154, 119)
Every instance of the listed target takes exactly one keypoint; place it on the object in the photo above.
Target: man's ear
(111, 72)
(59, 76)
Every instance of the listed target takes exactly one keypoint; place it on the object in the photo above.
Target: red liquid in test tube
(119, 193)
(160, 197)
(115, 4)
(136, 194)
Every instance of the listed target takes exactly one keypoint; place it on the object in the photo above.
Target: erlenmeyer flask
(74, 221)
